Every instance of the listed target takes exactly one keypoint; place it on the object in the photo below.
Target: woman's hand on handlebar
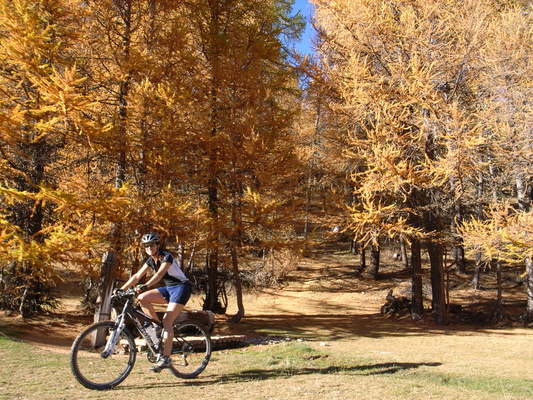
(141, 289)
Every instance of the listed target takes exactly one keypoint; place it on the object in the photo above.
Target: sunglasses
(148, 245)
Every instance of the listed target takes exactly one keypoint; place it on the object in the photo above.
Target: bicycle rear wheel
(191, 350)
(96, 370)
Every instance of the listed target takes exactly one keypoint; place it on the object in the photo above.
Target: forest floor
(325, 295)
(326, 301)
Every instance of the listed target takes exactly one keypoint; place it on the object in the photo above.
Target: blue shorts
(179, 294)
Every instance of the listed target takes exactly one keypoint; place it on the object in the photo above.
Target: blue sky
(305, 44)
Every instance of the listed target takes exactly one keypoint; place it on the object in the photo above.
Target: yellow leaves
(44, 98)
(29, 36)
(412, 98)
(266, 219)
(113, 204)
(260, 207)
(506, 235)
(372, 219)
(60, 246)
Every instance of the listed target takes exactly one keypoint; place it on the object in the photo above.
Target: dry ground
(324, 298)
(332, 308)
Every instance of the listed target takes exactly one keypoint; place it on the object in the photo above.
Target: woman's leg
(173, 310)
(178, 297)
(148, 298)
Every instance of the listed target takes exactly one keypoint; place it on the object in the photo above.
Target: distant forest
(410, 123)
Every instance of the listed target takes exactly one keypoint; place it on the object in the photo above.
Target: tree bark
(238, 286)
(417, 302)
(405, 258)
(435, 251)
(374, 261)
(122, 100)
(212, 260)
(458, 249)
(211, 301)
(499, 298)
(477, 272)
(529, 290)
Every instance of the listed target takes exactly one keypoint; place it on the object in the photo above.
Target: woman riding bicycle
(176, 291)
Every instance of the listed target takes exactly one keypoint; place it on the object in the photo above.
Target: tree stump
(204, 318)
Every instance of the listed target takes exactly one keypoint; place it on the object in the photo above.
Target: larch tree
(123, 167)
(40, 114)
(407, 76)
(499, 233)
(135, 57)
(245, 96)
(183, 107)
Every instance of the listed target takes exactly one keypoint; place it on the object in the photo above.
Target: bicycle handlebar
(128, 293)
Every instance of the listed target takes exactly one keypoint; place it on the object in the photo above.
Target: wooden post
(103, 303)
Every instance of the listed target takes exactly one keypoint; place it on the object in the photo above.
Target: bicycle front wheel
(191, 350)
(96, 368)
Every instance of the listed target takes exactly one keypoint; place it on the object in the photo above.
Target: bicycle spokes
(191, 350)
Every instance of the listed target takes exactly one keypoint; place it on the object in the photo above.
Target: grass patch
(493, 385)
(28, 372)
(286, 370)
(267, 361)
(292, 356)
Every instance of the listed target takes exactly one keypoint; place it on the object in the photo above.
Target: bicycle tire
(91, 368)
(191, 350)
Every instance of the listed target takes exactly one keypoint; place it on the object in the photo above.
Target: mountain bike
(104, 353)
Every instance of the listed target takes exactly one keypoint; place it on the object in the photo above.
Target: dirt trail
(324, 299)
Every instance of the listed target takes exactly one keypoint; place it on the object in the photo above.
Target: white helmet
(150, 238)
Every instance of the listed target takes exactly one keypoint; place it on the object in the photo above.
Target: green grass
(286, 370)
(515, 388)
(26, 372)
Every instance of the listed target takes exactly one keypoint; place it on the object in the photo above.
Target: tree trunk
(497, 309)
(417, 302)
(212, 260)
(521, 193)
(353, 247)
(309, 187)
(480, 216)
(374, 261)
(529, 290)
(211, 301)
(435, 251)
(405, 258)
(458, 249)
(121, 132)
(236, 235)
(477, 272)
(238, 286)
(460, 262)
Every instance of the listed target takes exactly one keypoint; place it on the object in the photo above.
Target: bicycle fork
(113, 337)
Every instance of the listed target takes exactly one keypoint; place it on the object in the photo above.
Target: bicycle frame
(120, 322)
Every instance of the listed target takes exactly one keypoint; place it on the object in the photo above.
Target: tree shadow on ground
(253, 375)
(366, 370)
(336, 326)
